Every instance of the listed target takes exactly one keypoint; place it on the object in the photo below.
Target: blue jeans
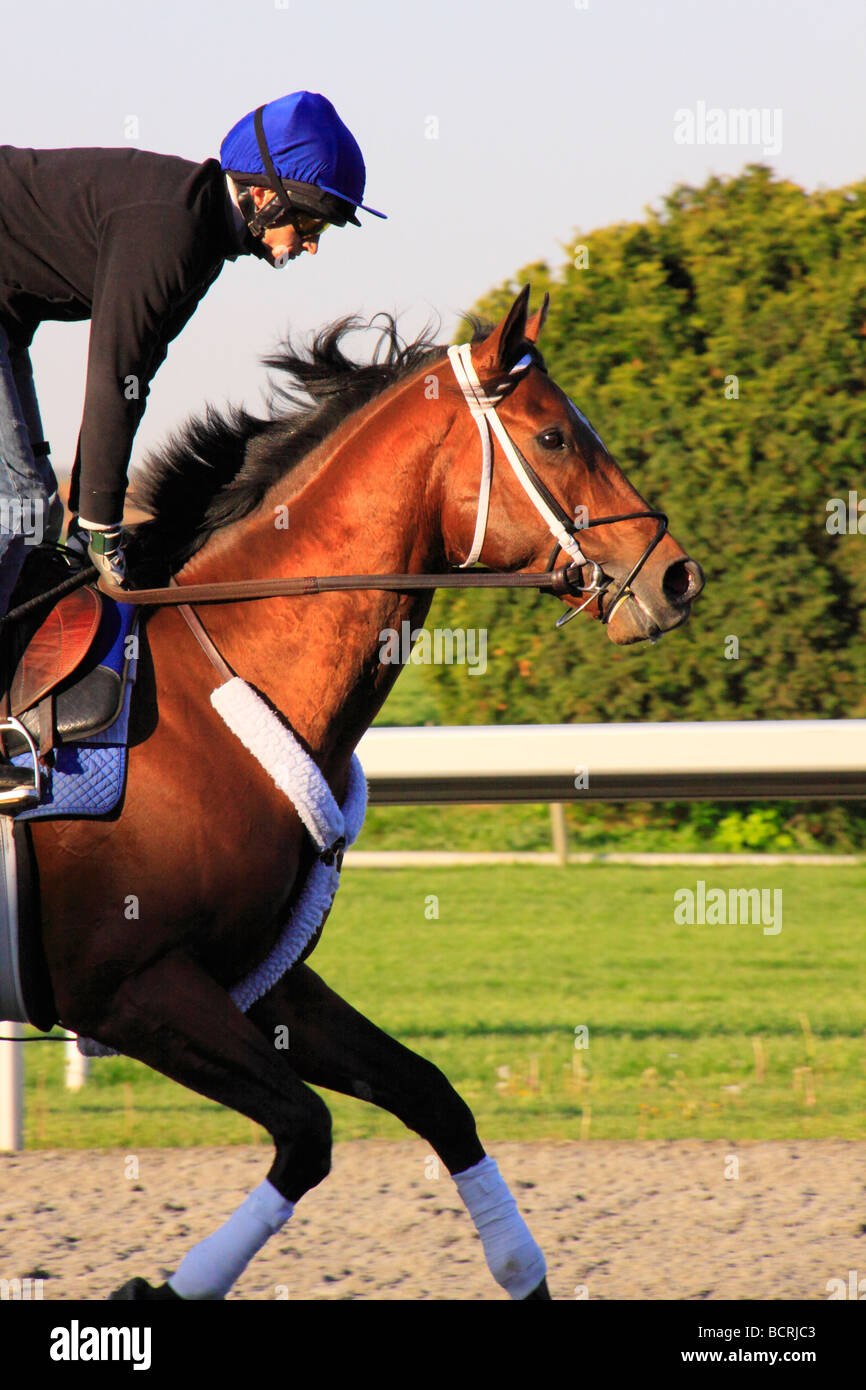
(26, 482)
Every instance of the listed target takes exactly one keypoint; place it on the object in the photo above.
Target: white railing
(820, 759)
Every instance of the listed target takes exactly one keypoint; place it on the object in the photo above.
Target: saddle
(56, 682)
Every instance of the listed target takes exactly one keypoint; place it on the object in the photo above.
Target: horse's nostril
(677, 583)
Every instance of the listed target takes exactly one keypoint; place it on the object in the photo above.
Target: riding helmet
(299, 147)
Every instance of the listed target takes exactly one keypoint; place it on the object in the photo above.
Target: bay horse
(382, 471)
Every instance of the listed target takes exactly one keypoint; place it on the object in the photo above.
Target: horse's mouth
(636, 625)
(636, 609)
(644, 614)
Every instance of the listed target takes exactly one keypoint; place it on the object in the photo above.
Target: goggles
(306, 224)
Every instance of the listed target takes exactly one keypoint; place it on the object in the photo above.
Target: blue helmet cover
(308, 143)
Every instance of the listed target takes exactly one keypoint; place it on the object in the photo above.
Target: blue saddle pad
(88, 778)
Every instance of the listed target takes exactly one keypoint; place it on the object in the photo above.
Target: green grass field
(693, 1031)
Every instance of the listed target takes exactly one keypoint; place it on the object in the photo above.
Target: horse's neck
(365, 510)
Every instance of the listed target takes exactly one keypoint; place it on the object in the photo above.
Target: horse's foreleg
(333, 1046)
(178, 1020)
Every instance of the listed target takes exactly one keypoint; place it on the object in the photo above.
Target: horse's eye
(552, 439)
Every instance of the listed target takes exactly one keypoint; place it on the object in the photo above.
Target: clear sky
(492, 130)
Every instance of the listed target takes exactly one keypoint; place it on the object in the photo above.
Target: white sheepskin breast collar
(299, 778)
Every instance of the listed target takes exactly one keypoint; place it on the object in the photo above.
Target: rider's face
(283, 243)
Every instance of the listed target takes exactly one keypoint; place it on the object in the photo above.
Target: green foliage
(634, 827)
(750, 278)
(759, 829)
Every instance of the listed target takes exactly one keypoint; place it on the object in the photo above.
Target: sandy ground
(616, 1221)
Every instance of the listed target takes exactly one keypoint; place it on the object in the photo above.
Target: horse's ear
(500, 350)
(536, 323)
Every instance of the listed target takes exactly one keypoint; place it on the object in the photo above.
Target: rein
(563, 582)
(241, 590)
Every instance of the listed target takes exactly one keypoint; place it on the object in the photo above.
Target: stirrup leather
(26, 796)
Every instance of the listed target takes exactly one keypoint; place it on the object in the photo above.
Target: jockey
(132, 241)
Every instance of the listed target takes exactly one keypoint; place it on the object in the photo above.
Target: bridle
(561, 526)
(563, 582)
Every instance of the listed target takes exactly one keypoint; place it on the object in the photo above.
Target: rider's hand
(105, 548)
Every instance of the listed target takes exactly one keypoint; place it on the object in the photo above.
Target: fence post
(76, 1064)
(560, 831)
(12, 1090)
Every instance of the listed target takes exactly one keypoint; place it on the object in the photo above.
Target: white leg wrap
(212, 1266)
(515, 1261)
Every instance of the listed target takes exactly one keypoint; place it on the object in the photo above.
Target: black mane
(218, 468)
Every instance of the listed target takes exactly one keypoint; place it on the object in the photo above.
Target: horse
(380, 467)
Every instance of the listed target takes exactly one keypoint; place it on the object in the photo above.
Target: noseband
(560, 524)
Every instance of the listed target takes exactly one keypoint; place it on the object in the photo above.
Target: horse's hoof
(541, 1292)
(139, 1291)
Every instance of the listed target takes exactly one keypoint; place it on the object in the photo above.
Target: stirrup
(29, 794)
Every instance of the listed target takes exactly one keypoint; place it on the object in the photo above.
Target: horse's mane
(219, 466)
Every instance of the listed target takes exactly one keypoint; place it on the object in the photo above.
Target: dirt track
(627, 1221)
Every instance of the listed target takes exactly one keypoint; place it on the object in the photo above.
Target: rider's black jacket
(130, 240)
